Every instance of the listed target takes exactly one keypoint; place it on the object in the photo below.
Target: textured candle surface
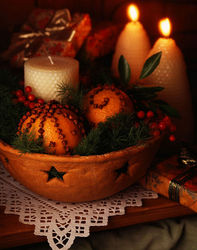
(44, 75)
(133, 43)
(171, 74)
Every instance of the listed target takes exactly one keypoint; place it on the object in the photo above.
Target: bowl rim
(79, 158)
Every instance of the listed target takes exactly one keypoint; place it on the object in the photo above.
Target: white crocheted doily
(61, 222)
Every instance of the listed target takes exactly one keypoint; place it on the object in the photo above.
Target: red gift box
(48, 32)
(101, 41)
(175, 178)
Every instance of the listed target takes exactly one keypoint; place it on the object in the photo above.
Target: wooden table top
(13, 233)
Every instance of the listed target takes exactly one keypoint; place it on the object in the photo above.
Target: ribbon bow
(60, 27)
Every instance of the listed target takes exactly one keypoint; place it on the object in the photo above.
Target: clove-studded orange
(59, 127)
(106, 101)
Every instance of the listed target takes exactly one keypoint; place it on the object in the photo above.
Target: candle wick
(50, 59)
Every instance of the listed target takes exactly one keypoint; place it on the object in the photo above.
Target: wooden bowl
(79, 178)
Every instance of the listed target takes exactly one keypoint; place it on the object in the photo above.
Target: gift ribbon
(60, 27)
(187, 160)
(186, 157)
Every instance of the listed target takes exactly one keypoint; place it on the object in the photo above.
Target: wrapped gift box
(101, 41)
(175, 178)
(48, 32)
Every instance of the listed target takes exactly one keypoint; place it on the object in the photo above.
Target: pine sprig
(116, 133)
(28, 143)
(71, 96)
(10, 113)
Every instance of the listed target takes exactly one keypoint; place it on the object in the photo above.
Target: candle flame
(165, 27)
(133, 12)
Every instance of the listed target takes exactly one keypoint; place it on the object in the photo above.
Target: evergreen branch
(10, 113)
(70, 96)
(116, 133)
(27, 143)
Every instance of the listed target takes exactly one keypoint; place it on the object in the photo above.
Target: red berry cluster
(159, 125)
(28, 99)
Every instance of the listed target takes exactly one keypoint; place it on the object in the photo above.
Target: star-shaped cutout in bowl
(54, 173)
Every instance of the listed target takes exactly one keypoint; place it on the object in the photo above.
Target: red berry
(31, 105)
(172, 138)
(140, 114)
(26, 103)
(21, 98)
(31, 97)
(167, 120)
(149, 114)
(19, 92)
(41, 101)
(172, 128)
(156, 133)
(153, 125)
(162, 125)
(28, 89)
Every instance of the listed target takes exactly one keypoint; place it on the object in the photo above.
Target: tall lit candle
(133, 43)
(171, 74)
(45, 74)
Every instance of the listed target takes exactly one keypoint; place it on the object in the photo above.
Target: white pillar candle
(133, 43)
(44, 74)
(171, 74)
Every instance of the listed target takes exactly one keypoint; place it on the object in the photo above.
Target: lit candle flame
(133, 12)
(165, 27)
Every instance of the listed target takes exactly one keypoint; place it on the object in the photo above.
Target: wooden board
(13, 233)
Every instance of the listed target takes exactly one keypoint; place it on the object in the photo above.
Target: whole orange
(58, 126)
(106, 101)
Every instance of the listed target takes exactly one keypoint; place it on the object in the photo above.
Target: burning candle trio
(44, 74)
